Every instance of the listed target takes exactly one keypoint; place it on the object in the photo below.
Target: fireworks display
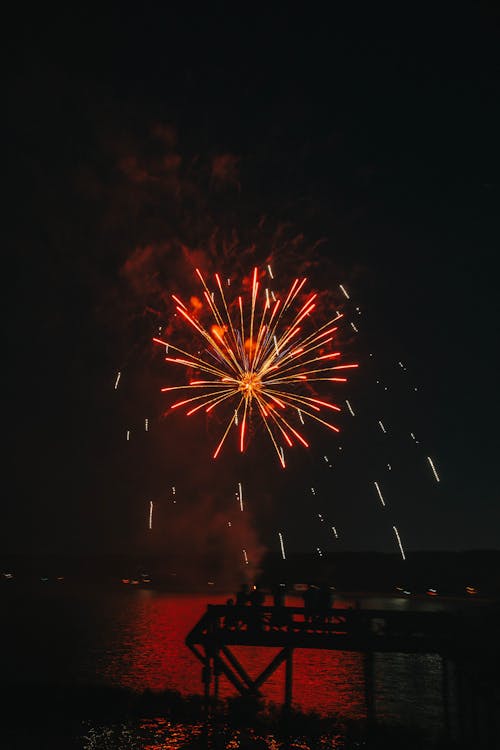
(267, 363)
(258, 360)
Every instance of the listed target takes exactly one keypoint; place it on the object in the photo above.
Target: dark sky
(161, 129)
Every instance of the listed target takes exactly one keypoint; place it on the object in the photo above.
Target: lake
(129, 637)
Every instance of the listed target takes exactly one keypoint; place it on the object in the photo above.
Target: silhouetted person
(257, 598)
(242, 595)
(279, 592)
(310, 597)
(325, 603)
(231, 618)
(280, 616)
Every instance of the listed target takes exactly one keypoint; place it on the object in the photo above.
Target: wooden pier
(466, 641)
(287, 628)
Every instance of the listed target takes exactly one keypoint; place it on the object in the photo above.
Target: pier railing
(338, 629)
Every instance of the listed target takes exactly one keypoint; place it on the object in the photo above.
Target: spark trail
(259, 361)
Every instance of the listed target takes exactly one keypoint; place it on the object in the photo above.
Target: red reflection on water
(149, 652)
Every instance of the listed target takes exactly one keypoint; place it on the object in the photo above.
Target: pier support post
(370, 688)
(288, 678)
(206, 677)
(217, 672)
(445, 669)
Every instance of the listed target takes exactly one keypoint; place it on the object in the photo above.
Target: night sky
(364, 148)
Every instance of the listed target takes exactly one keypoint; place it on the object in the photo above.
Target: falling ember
(382, 426)
(313, 490)
(282, 456)
(282, 545)
(150, 515)
(350, 408)
(319, 551)
(270, 272)
(240, 495)
(431, 462)
(146, 424)
(354, 327)
(245, 556)
(128, 434)
(258, 357)
(379, 493)
(389, 467)
(117, 380)
(335, 534)
(344, 291)
(396, 532)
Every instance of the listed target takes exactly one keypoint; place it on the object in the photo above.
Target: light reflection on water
(159, 734)
(135, 639)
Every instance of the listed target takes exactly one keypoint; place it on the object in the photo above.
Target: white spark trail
(282, 545)
(396, 532)
(240, 495)
(431, 462)
(344, 291)
(379, 493)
